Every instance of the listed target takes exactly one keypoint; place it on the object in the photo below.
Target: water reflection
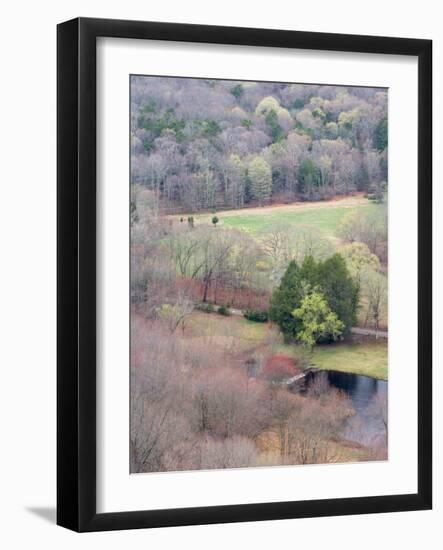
(369, 398)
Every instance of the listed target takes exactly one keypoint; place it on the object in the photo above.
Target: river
(363, 391)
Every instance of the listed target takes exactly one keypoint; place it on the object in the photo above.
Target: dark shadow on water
(46, 513)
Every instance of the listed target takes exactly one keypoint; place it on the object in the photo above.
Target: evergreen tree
(237, 91)
(285, 298)
(309, 271)
(339, 289)
(381, 134)
(308, 176)
(331, 279)
(275, 129)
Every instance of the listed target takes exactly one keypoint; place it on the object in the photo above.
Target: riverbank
(368, 358)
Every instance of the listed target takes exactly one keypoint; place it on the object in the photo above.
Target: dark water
(363, 391)
(360, 389)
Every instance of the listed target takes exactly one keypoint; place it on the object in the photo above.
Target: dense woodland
(206, 385)
(203, 144)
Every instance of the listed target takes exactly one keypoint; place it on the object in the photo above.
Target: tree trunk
(207, 281)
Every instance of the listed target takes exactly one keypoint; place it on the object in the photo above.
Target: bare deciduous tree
(174, 315)
(235, 452)
(375, 290)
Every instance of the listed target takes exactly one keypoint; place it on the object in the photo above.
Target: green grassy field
(367, 357)
(323, 219)
(322, 215)
(212, 325)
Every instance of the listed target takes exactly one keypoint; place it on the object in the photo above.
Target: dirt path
(369, 332)
(355, 330)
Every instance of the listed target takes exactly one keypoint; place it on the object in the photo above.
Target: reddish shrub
(280, 367)
(240, 298)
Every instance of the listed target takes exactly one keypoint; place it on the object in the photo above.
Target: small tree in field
(317, 320)
(215, 220)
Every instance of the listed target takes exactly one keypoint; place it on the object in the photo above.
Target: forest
(204, 144)
(259, 269)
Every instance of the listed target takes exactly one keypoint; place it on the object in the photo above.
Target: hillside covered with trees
(202, 144)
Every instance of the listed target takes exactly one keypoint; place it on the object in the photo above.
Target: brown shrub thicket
(223, 292)
(235, 452)
(196, 410)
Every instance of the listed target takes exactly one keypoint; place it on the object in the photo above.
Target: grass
(324, 216)
(324, 219)
(366, 357)
(231, 333)
(204, 324)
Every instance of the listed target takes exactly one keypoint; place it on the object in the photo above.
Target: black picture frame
(76, 280)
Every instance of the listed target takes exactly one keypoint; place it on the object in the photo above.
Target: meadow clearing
(324, 216)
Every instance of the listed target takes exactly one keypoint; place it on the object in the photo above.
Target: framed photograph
(244, 274)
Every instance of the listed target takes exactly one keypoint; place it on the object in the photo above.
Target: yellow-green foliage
(317, 102)
(359, 258)
(347, 118)
(260, 176)
(267, 104)
(284, 116)
(317, 320)
(238, 111)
